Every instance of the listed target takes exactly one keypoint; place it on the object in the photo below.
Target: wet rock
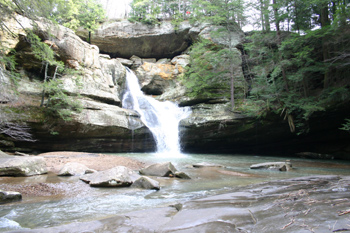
(146, 183)
(280, 166)
(205, 164)
(182, 175)
(119, 176)
(165, 169)
(74, 169)
(9, 196)
(22, 166)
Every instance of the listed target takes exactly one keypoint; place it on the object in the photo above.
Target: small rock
(9, 196)
(146, 183)
(177, 206)
(137, 61)
(149, 60)
(165, 169)
(74, 169)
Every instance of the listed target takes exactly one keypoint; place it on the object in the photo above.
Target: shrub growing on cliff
(58, 103)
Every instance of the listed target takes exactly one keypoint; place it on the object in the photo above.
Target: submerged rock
(74, 169)
(281, 166)
(146, 183)
(9, 196)
(165, 169)
(22, 166)
(119, 176)
(205, 164)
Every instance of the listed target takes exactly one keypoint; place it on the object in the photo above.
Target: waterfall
(162, 118)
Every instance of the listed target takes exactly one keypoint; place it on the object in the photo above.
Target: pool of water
(98, 203)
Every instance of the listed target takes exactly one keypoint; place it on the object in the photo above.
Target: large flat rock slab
(22, 166)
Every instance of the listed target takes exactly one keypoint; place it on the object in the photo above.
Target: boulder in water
(74, 169)
(165, 169)
(119, 176)
(146, 183)
(280, 166)
(9, 196)
(182, 175)
(22, 166)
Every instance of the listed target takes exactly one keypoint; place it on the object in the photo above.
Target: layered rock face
(153, 52)
(125, 39)
(102, 125)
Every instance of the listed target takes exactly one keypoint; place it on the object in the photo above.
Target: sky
(116, 9)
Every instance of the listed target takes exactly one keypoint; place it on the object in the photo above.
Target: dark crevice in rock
(103, 100)
(196, 101)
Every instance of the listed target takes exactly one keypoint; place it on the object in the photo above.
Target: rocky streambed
(223, 195)
(308, 204)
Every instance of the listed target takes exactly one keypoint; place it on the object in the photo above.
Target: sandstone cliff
(157, 54)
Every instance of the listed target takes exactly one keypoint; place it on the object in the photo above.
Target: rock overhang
(124, 39)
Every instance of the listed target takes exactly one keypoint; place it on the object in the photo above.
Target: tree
(223, 14)
(298, 74)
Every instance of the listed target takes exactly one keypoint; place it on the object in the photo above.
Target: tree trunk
(89, 39)
(279, 41)
(266, 15)
(325, 21)
(232, 92)
(45, 80)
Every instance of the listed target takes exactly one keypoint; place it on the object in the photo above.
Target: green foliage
(303, 68)
(69, 13)
(8, 61)
(346, 125)
(59, 104)
(200, 74)
(150, 12)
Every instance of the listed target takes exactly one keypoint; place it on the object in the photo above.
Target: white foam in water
(162, 118)
(7, 224)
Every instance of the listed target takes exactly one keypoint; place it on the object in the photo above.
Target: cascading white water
(162, 118)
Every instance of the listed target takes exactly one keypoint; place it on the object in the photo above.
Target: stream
(100, 203)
